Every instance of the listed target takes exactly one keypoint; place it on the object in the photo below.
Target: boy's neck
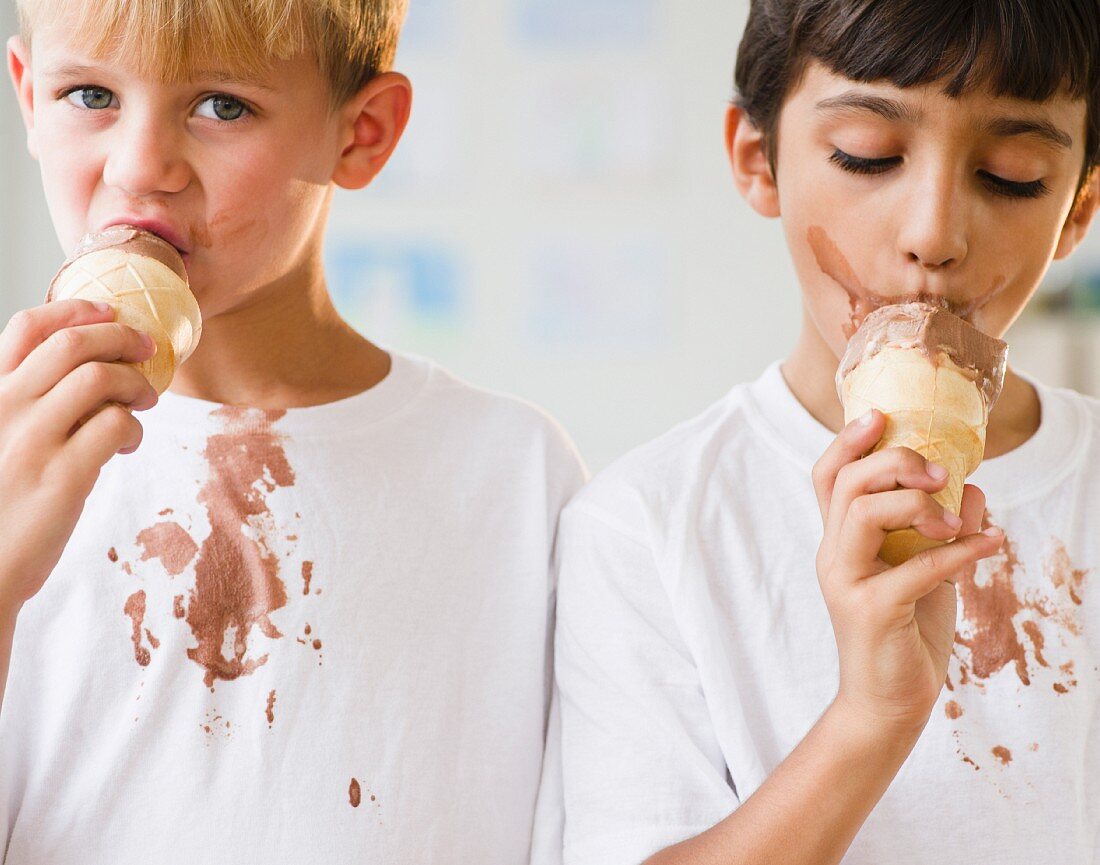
(288, 349)
(811, 367)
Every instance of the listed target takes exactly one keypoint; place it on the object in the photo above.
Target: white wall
(559, 222)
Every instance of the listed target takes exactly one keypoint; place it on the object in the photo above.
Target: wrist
(871, 731)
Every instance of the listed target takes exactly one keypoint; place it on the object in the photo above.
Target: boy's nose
(933, 228)
(145, 159)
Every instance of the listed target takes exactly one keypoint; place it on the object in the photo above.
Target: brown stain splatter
(307, 575)
(135, 609)
(165, 512)
(177, 607)
(355, 795)
(1003, 754)
(308, 629)
(270, 709)
(953, 710)
(126, 567)
(317, 644)
(153, 641)
(1062, 573)
(972, 763)
(237, 584)
(170, 543)
(1060, 688)
(112, 554)
(1038, 641)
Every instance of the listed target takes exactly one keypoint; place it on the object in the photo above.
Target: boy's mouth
(864, 301)
(162, 229)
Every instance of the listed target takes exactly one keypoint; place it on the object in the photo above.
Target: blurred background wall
(560, 223)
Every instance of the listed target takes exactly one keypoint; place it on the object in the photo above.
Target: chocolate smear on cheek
(355, 795)
(834, 265)
(237, 584)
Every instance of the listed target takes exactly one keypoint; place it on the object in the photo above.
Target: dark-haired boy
(723, 699)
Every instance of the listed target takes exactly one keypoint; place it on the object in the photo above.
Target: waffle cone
(935, 409)
(147, 295)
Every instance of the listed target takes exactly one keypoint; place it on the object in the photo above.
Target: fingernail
(953, 521)
(100, 306)
(149, 342)
(936, 472)
(866, 419)
(994, 532)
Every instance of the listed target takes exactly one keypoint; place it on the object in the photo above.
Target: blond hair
(352, 40)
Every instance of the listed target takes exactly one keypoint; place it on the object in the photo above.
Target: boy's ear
(373, 122)
(751, 171)
(1080, 218)
(19, 67)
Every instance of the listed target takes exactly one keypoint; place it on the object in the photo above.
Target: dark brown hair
(1028, 49)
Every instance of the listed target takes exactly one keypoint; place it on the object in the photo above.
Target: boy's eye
(1012, 188)
(223, 107)
(96, 98)
(860, 165)
(997, 185)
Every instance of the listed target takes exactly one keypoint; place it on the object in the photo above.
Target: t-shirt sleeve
(641, 766)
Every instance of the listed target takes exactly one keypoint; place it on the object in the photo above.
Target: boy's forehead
(828, 93)
(61, 50)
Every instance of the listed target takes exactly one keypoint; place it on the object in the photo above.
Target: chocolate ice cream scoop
(143, 277)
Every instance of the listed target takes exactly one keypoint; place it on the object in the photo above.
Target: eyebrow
(76, 70)
(890, 109)
(1006, 127)
(895, 110)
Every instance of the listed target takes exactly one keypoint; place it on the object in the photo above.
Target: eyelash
(248, 112)
(998, 185)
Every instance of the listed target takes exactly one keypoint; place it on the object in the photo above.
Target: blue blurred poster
(398, 292)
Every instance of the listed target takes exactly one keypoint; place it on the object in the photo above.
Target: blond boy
(307, 620)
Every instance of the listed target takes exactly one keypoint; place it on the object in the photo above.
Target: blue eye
(225, 108)
(95, 98)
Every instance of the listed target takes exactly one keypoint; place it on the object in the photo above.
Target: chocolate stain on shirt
(307, 575)
(169, 543)
(953, 710)
(355, 795)
(112, 554)
(270, 709)
(999, 621)
(237, 580)
(135, 609)
(237, 583)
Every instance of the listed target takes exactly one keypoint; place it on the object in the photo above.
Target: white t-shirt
(694, 649)
(315, 636)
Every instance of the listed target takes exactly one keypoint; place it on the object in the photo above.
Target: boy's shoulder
(461, 408)
(677, 464)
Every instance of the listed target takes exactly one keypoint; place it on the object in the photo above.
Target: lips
(158, 227)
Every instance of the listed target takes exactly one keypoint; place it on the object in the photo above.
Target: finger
(29, 328)
(87, 389)
(68, 349)
(107, 433)
(972, 510)
(881, 471)
(928, 569)
(871, 517)
(856, 439)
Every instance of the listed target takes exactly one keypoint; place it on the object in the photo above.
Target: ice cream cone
(933, 404)
(144, 279)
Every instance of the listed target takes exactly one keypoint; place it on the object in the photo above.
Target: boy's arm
(894, 630)
(65, 391)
